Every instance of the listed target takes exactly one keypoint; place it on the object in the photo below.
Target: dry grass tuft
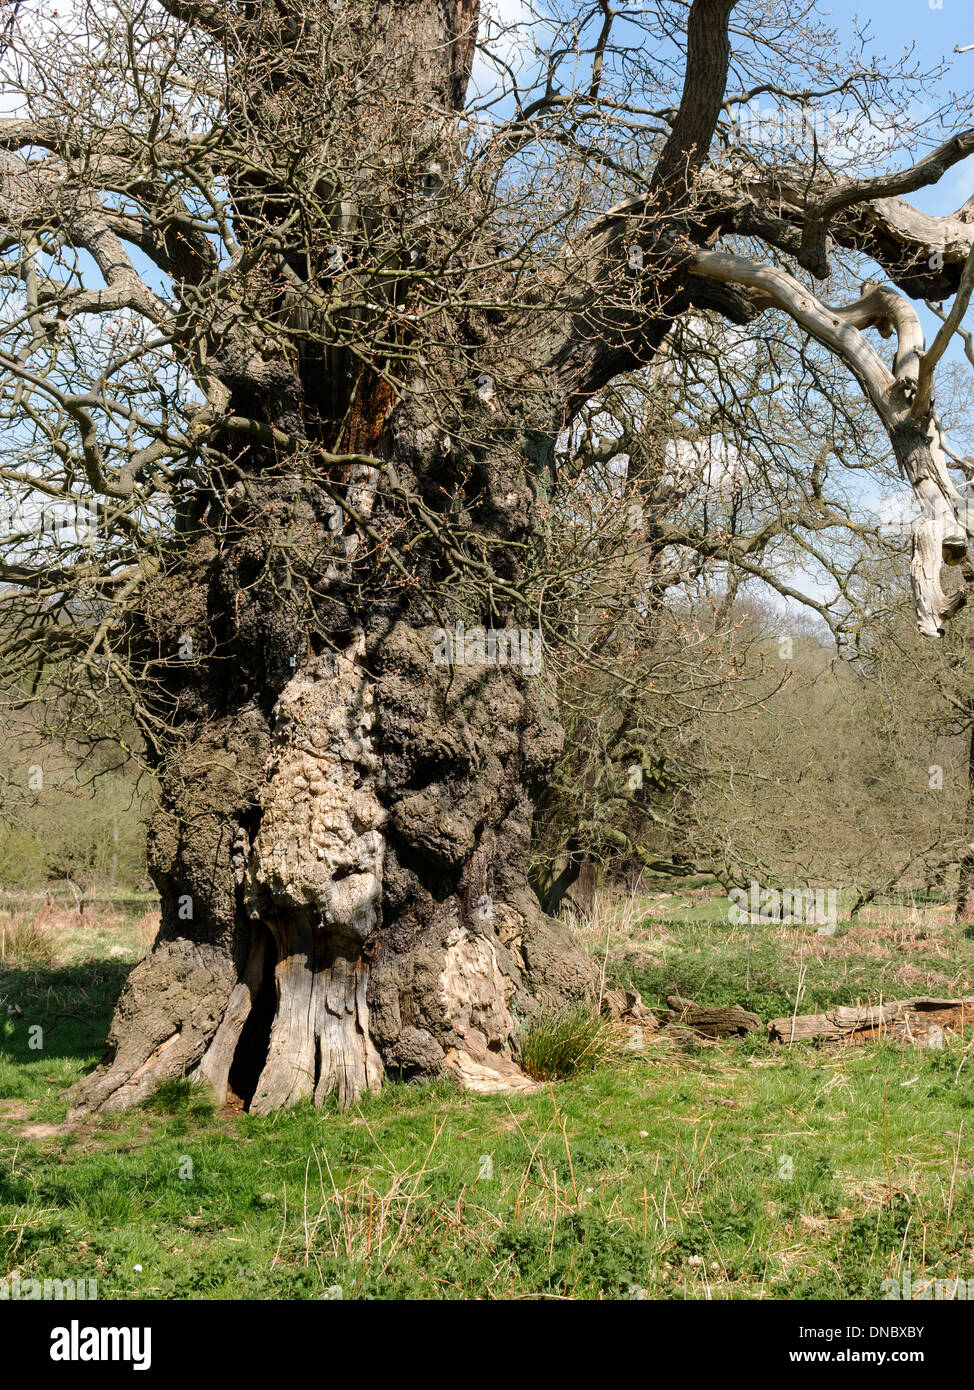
(29, 940)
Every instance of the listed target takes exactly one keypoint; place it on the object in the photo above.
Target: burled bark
(364, 908)
(344, 823)
(340, 842)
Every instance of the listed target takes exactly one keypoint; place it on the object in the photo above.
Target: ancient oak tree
(300, 297)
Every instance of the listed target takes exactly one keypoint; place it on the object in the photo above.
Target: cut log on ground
(919, 1020)
(729, 1021)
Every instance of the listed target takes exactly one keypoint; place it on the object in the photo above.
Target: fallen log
(919, 1020)
(626, 1006)
(729, 1021)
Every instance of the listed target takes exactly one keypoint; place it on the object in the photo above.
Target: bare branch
(939, 346)
(708, 56)
(819, 212)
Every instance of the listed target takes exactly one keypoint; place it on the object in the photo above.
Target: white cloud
(510, 33)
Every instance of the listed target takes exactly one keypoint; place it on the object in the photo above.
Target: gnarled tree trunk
(341, 842)
(340, 845)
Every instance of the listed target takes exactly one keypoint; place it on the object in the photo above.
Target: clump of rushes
(562, 1042)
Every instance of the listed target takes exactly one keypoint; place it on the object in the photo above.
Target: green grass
(559, 1044)
(773, 970)
(737, 1170)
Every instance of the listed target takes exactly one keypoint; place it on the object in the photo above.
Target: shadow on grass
(72, 1005)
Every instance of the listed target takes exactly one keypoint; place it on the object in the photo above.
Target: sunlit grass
(727, 1170)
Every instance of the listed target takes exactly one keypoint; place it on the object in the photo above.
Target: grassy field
(688, 1169)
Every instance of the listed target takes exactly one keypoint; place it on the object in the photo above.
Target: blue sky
(933, 28)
